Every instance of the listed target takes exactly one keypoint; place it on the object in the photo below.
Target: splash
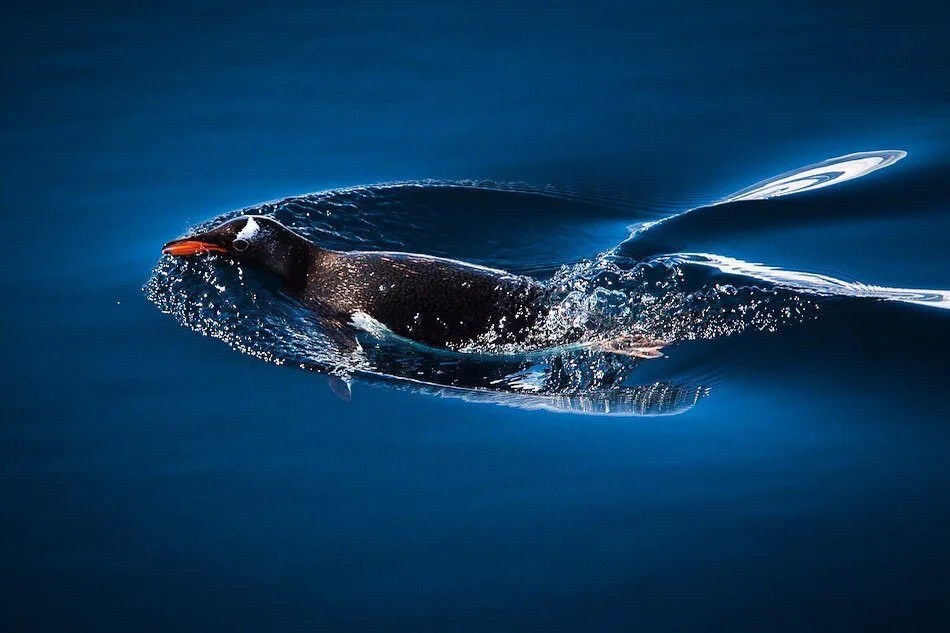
(562, 369)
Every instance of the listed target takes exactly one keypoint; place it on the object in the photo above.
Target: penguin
(438, 302)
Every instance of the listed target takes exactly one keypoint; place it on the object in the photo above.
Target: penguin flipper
(343, 338)
(342, 335)
(340, 387)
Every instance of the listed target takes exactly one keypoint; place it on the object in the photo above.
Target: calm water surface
(156, 479)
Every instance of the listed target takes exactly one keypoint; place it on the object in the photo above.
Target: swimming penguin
(435, 301)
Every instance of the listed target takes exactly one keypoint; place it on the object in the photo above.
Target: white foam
(532, 379)
(367, 323)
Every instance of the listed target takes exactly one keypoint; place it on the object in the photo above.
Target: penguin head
(258, 240)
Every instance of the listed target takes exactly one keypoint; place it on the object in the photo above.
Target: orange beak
(191, 247)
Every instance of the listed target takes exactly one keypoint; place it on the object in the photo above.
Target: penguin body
(432, 300)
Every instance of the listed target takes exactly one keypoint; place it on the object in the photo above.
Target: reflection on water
(816, 283)
(657, 399)
(824, 174)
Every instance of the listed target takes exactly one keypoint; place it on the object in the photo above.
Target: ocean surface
(764, 189)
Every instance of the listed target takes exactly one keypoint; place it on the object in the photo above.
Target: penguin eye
(239, 245)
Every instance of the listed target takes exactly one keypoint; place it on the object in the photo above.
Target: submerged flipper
(340, 387)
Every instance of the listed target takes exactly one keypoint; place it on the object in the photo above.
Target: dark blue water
(156, 479)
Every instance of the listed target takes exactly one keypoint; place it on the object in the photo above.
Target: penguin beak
(191, 247)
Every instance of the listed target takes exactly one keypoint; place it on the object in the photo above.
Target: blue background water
(156, 479)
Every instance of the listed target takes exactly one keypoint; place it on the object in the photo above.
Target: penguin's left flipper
(340, 386)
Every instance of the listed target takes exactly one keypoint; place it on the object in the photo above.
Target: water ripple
(815, 283)
(829, 172)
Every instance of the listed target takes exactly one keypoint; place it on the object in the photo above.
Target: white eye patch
(249, 231)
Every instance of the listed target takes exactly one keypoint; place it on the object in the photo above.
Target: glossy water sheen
(156, 479)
